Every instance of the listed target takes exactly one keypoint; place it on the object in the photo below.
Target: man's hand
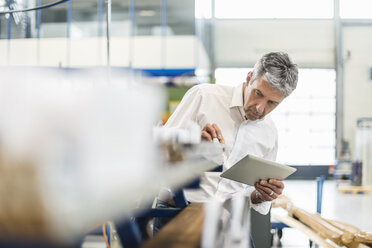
(269, 190)
(211, 131)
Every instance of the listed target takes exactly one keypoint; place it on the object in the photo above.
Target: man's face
(260, 98)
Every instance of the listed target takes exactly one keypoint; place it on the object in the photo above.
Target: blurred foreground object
(319, 229)
(227, 224)
(177, 144)
(75, 150)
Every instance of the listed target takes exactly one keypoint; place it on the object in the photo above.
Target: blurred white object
(239, 233)
(190, 135)
(212, 151)
(221, 157)
(227, 223)
(77, 150)
(88, 136)
(213, 225)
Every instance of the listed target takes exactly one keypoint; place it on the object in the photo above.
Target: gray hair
(278, 70)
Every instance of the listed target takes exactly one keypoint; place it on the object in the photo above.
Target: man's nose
(260, 107)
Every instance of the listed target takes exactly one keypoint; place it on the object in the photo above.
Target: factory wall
(241, 42)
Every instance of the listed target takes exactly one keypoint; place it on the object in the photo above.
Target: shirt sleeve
(187, 109)
(271, 155)
(264, 207)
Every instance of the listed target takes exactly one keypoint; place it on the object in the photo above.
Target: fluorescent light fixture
(147, 12)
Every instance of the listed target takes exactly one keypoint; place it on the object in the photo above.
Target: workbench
(184, 231)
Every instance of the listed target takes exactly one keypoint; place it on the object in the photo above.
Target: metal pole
(100, 5)
(68, 32)
(9, 33)
(131, 33)
(212, 40)
(100, 17)
(339, 78)
(163, 33)
(38, 22)
(196, 43)
(108, 30)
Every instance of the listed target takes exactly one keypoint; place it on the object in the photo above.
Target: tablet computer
(251, 169)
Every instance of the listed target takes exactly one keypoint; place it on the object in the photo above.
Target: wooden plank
(289, 221)
(358, 245)
(354, 189)
(184, 231)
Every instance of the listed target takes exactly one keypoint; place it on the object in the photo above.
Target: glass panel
(327, 106)
(120, 24)
(356, 9)
(18, 24)
(277, 9)
(322, 122)
(306, 105)
(322, 156)
(180, 16)
(306, 156)
(53, 22)
(322, 139)
(84, 17)
(316, 83)
(231, 76)
(148, 17)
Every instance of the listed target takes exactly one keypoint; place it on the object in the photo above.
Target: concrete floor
(355, 209)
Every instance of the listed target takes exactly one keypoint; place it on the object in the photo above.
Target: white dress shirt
(223, 105)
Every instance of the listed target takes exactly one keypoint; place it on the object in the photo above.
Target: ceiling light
(147, 13)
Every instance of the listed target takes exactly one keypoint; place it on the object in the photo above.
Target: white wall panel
(53, 51)
(87, 52)
(241, 42)
(146, 51)
(26, 51)
(3, 52)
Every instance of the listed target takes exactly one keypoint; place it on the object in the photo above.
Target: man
(238, 117)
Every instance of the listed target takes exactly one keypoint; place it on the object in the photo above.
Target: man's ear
(249, 76)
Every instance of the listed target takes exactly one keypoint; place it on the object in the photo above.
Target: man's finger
(269, 190)
(265, 196)
(219, 133)
(277, 183)
(210, 129)
(206, 136)
(269, 185)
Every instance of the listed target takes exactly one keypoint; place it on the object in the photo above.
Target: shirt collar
(237, 97)
(237, 101)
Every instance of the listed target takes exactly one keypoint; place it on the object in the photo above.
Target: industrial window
(356, 9)
(239, 9)
(305, 120)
